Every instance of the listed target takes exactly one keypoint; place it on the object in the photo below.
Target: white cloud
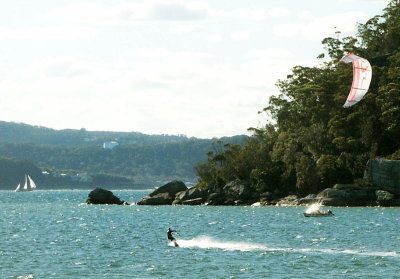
(90, 13)
(163, 10)
(305, 15)
(280, 12)
(58, 32)
(241, 35)
(251, 13)
(122, 13)
(156, 66)
(216, 37)
(154, 89)
(317, 28)
(178, 10)
(186, 28)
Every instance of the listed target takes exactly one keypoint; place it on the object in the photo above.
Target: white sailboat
(29, 185)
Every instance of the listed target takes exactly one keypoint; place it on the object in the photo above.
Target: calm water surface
(54, 234)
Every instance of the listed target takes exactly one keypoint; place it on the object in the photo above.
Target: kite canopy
(362, 74)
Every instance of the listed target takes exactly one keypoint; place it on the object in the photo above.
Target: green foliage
(13, 172)
(109, 180)
(314, 142)
(23, 133)
(149, 162)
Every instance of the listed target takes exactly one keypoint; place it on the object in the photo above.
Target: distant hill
(13, 172)
(23, 133)
(148, 160)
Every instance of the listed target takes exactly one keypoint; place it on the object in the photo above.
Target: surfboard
(175, 243)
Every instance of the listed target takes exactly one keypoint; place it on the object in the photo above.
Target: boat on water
(315, 211)
(29, 185)
(319, 214)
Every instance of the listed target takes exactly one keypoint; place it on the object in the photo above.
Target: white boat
(315, 211)
(29, 185)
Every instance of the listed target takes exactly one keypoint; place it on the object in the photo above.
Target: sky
(198, 68)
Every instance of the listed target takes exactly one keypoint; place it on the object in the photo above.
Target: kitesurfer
(169, 234)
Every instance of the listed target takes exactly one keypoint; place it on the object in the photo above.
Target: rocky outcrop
(234, 193)
(381, 187)
(347, 195)
(290, 200)
(309, 199)
(102, 196)
(192, 196)
(266, 197)
(158, 199)
(384, 198)
(333, 197)
(216, 198)
(197, 201)
(164, 195)
(239, 192)
(384, 173)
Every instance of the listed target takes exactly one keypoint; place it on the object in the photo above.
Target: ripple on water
(217, 242)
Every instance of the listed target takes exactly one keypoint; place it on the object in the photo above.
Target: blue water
(54, 234)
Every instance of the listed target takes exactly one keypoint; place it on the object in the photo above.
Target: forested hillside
(145, 159)
(313, 142)
(13, 172)
(144, 163)
(23, 133)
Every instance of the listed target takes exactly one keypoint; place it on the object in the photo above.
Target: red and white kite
(362, 74)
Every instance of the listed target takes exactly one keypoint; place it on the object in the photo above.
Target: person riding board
(170, 237)
(169, 234)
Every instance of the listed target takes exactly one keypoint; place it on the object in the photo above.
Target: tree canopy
(312, 142)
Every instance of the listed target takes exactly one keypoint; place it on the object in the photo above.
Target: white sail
(362, 74)
(26, 184)
(33, 185)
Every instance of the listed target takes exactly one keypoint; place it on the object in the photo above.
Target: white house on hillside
(110, 144)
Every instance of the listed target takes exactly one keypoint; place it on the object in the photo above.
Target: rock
(347, 187)
(348, 195)
(358, 195)
(194, 193)
(333, 197)
(159, 199)
(197, 201)
(171, 188)
(101, 196)
(164, 195)
(256, 204)
(382, 195)
(384, 173)
(333, 194)
(239, 192)
(237, 189)
(190, 194)
(385, 198)
(217, 198)
(290, 200)
(179, 196)
(309, 199)
(266, 197)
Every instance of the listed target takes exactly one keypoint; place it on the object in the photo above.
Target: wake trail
(206, 242)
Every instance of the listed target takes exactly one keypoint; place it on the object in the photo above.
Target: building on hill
(110, 144)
